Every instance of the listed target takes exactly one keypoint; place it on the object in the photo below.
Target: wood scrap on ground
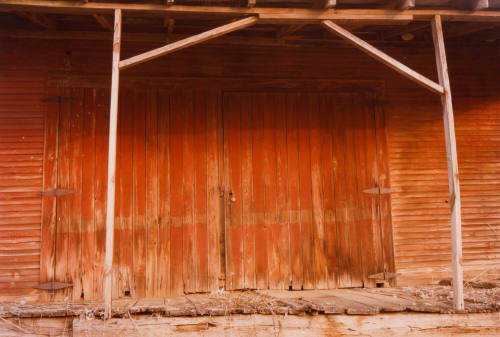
(355, 301)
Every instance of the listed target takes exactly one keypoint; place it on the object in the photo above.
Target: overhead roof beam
(290, 15)
(383, 57)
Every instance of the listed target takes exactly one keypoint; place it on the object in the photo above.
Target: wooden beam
(290, 14)
(103, 21)
(290, 40)
(325, 4)
(469, 28)
(285, 31)
(401, 4)
(474, 5)
(39, 19)
(169, 23)
(383, 57)
(110, 201)
(414, 27)
(312, 18)
(452, 161)
(178, 45)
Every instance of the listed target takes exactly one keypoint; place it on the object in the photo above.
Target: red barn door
(302, 176)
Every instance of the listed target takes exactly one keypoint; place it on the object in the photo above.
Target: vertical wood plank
(110, 205)
(139, 193)
(115, 277)
(354, 262)
(376, 264)
(341, 210)
(188, 228)
(282, 215)
(176, 193)
(151, 192)
(362, 213)
(49, 204)
(234, 197)
(269, 174)
(248, 217)
(261, 260)
(164, 193)
(329, 163)
(75, 230)
(88, 196)
(64, 203)
(318, 222)
(101, 160)
(214, 112)
(452, 162)
(304, 106)
(293, 190)
(383, 180)
(200, 206)
(125, 191)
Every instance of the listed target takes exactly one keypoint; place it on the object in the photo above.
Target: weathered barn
(275, 157)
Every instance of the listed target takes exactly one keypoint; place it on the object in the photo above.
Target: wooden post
(110, 210)
(452, 161)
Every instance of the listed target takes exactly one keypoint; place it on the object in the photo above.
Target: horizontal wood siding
(416, 151)
(21, 159)
(420, 209)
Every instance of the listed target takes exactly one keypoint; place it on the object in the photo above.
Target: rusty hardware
(383, 276)
(57, 192)
(58, 99)
(378, 190)
(53, 285)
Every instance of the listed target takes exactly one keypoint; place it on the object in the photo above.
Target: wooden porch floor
(357, 301)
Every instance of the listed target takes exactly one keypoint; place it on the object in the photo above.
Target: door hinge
(378, 190)
(59, 99)
(57, 192)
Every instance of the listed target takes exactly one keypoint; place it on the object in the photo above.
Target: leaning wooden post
(110, 209)
(452, 161)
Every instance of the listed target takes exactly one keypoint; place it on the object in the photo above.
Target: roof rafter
(475, 5)
(103, 21)
(326, 4)
(469, 28)
(401, 4)
(39, 19)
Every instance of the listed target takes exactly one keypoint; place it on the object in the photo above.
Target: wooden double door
(235, 190)
(303, 208)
